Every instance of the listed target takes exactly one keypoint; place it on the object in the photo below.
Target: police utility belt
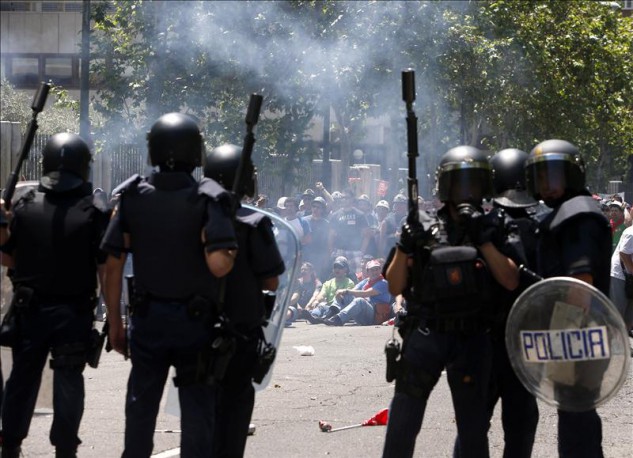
(25, 297)
(452, 291)
(198, 307)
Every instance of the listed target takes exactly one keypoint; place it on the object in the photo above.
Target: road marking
(168, 453)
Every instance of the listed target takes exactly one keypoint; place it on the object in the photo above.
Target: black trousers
(235, 401)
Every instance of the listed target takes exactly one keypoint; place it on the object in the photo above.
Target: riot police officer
(257, 267)
(574, 240)
(519, 413)
(449, 268)
(53, 250)
(180, 234)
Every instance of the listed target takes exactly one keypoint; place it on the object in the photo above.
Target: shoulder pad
(211, 188)
(128, 184)
(574, 207)
(24, 193)
(249, 217)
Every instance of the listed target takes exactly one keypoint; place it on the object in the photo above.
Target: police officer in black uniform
(257, 267)
(180, 234)
(449, 268)
(53, 250)
(519, 412)
(575, 241)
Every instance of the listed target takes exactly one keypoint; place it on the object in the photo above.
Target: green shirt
(617, 233)
(331, 286)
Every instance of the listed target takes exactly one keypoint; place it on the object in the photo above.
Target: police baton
(252, 117)
(408, 95)
(39, 100)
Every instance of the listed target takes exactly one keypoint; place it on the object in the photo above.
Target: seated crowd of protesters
(329, 225)
(341, 299)
(344, 239)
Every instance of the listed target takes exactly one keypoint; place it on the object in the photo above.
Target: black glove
(482, 228)
(411, 234)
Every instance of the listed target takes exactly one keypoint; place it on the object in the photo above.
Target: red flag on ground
(380, 419)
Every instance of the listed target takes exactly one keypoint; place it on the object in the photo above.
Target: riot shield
(568, 344)
(288, 244)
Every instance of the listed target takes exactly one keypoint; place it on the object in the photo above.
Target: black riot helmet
(65, 162)
(174, 143)
(554, 172)
(508, 179)
(221, 165)
(463, 176)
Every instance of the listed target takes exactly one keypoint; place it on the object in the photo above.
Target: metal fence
(32, 165)
(112, 167)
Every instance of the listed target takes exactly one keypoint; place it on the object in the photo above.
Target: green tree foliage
(568, 66)
(60, 116)
(491, 73)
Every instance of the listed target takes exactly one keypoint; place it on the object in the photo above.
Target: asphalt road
(343, 383)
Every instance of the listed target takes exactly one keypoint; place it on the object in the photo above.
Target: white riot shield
(288, 243)
(568, 344)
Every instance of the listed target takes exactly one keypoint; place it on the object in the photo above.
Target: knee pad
(69, 356)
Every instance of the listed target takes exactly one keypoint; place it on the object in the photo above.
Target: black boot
(334, 321)
(333, 310)
(65, 453)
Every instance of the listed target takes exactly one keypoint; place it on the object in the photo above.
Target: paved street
(343, 384)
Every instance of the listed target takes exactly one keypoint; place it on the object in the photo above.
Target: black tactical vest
(164, 215)
(56, 247)
(557, 225)
(448, 282)
(244, 299)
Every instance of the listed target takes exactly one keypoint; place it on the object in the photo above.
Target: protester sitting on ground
(367, 303)
(307, 287)
(319, 305)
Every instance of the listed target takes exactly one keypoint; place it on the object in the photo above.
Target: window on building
(27, 70)
(24, 71)
(60, 70)
(15, 6)
(52, 7)
(628, 4)
(74, 7)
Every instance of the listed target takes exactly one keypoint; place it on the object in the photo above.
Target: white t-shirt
(296, 225)
(625, 245)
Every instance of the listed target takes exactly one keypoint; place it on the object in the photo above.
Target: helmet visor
(465, 184)
(546, 177)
